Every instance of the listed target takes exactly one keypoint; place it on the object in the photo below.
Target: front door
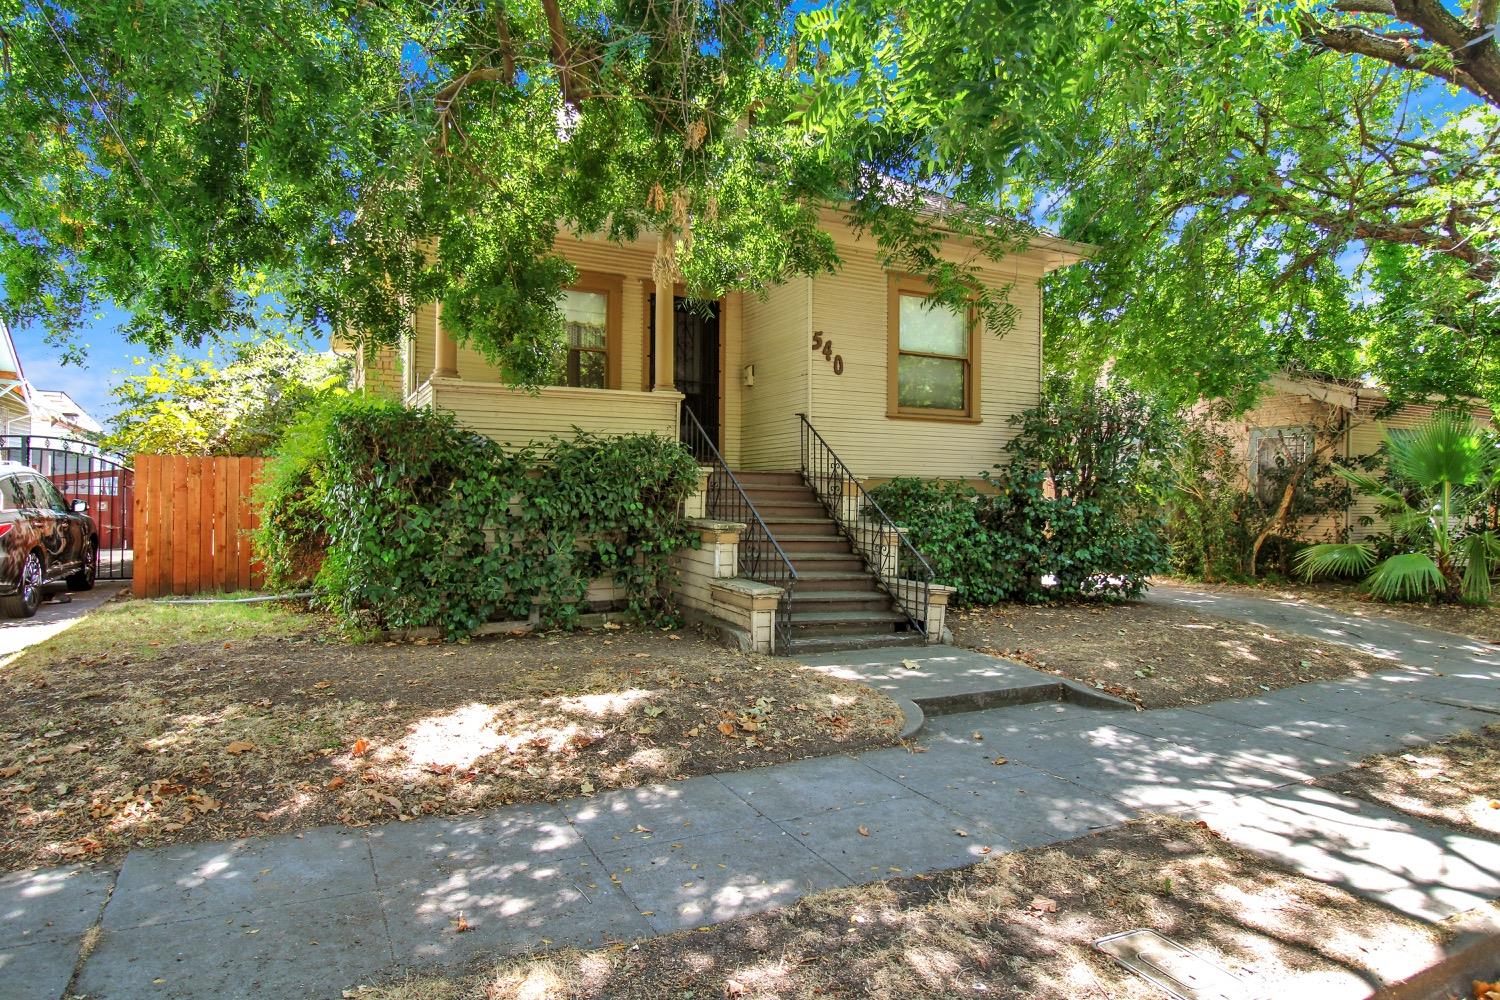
(696, 365)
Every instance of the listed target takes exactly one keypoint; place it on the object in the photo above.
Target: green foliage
(241, 405)
(1337, 559)
(1406, 577)
(1318, 210)
(946, 522)
(1205, 500)
(292, 533)
(423, 523)
(1072, 513)
(187, 158)
(1439, 482)
(1214, 514)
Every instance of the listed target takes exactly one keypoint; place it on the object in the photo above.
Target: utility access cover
(1181, 973)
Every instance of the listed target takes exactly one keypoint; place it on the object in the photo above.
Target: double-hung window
(591, 333)
(932, 355)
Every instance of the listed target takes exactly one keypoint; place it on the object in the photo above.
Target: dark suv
(44, 540)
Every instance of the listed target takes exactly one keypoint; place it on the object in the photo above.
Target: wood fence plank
(180, 524)
(149, 490)
(194, 577)
(139, 584)
(164, 526)
(204, 531)
(248, 521)
(158, 553)
(232, 525)
(192, 580)
(223, 544)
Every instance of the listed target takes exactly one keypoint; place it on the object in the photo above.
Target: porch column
(665, 377)
(445, 363)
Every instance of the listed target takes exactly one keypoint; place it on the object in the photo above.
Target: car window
(52, 496)
(25, 493)
(10, 497)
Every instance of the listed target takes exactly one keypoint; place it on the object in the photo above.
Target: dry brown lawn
(149, 723)
(1153, 655)
(1454, 781)
(1021, 925)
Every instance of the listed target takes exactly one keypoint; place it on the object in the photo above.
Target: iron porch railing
(760, 555)
(903, 571)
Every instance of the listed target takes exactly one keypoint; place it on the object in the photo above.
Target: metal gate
(82, 472)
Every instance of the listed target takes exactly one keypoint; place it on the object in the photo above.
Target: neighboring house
(893, 387)
(15, 392)
(56, 414)
(1342, 420)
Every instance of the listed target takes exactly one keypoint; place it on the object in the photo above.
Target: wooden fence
(192, 517)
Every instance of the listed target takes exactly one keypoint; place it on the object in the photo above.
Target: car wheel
(83, 577)
(24, 602)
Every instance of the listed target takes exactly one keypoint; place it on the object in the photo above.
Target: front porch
(517, 417)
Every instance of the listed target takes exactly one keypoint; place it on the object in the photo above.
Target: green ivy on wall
(419, 522)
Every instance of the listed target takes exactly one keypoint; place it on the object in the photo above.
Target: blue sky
(109, 359)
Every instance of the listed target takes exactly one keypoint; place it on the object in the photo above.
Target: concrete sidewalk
(310, 915)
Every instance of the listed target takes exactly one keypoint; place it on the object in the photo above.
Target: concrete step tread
(839, 595)
(843, 617)
(837, 643)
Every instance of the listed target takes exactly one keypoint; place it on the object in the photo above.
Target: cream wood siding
(775, 340)
(849, 410)
(516, 418)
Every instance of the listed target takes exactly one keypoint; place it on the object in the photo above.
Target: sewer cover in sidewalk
(1181, 973)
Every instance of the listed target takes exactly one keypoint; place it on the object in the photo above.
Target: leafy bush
(944, 522)
(1206, 532)
(1072, 513)
(424, 523)
(292, 534)
(240, 402)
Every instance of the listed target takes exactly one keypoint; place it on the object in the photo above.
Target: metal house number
(825, 348)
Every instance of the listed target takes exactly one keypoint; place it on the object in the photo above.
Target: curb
(1473, 955)
(914, 718)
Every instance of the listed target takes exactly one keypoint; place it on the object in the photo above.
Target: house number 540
(825, 348)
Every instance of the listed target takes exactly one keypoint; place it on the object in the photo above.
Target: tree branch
(444, 98)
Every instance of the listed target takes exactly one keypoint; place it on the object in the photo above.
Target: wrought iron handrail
(905, 573)
(760, 555)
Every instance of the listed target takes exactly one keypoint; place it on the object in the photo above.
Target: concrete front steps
(838, 604)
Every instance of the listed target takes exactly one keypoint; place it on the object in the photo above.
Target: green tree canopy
(1290, 185)
(240, 405)
(1294, 184)
(1270, 186)
(184, 158)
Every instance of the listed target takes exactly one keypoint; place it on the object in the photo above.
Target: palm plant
(1450, 468)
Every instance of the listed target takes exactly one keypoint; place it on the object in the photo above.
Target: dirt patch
(1021, 925)
(116, 735)
(1454, 781)
(1153, 655)
(1347, 598)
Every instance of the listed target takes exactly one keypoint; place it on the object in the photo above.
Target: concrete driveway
(17, 634)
